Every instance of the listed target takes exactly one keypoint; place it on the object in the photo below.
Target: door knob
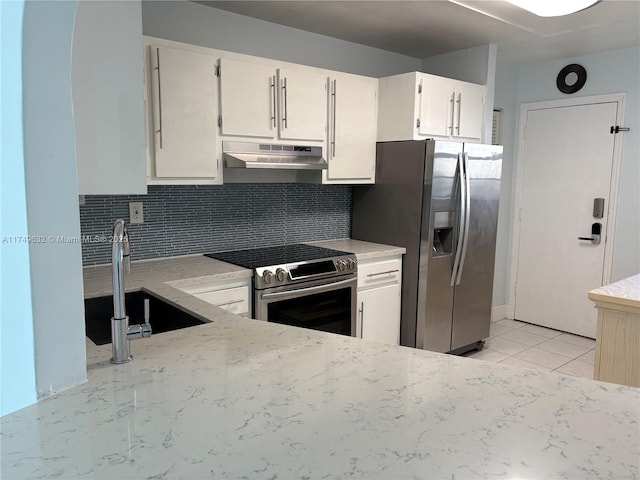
(596, 234)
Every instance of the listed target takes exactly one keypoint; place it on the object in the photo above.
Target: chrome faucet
(121, 332)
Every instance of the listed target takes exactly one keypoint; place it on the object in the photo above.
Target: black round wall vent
(575, 71)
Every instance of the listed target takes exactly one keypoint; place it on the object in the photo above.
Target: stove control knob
(342, 265)
(267, 276)
(352, 264)
(281, 274)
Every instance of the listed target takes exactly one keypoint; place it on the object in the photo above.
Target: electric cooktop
(270, 256)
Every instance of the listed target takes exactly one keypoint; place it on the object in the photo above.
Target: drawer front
(234, 300)
(376, 273)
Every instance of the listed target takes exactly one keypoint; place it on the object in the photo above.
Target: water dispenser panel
(442, 242)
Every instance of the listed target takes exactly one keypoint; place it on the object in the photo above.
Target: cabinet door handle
(453, 114)
(333, 133)
(231, 302)
(159, 103)
(459, 109)
(382, 273)
(273, 101)
(361, 321)
(284, 97)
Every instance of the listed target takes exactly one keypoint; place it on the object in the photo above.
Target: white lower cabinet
(234, 297)
(379, 290)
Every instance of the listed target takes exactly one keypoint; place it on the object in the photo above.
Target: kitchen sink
(163, 317)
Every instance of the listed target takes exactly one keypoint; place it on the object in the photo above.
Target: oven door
(329, 306)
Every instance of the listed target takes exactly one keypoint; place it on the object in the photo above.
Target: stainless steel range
(301, 285)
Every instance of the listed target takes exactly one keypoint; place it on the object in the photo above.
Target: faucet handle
(126, 251)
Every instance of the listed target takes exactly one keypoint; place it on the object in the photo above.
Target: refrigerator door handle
(467, 215)
(462, 217)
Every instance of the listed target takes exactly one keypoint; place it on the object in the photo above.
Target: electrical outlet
(135, 212)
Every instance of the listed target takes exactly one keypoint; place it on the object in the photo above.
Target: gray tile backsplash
(180, 220)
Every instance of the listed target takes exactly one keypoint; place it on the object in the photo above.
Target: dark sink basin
(162, 316)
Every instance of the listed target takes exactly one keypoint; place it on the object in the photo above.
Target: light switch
(135, 212)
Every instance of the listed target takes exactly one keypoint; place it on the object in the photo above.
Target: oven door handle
(317, 288)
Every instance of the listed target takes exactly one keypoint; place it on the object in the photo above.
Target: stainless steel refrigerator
(439, 200)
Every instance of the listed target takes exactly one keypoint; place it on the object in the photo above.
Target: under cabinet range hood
(272, 156)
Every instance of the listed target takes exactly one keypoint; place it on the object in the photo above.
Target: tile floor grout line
(510, 327)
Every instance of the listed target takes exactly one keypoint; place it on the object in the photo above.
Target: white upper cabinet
(248, 104)
(351, 138)
(417, 105)
(184, 90)
(302, 105)
(198, 97)
(108, 98)
(435, 95)
(264, 101)
(469, 102)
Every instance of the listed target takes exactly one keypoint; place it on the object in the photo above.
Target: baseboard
(499, 312)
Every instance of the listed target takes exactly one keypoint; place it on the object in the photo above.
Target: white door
(184, 114)
(378, 309)
(248, 99)
(468, 110)
(351, 145)
(436, 114)
(568, 157)
(303, 104)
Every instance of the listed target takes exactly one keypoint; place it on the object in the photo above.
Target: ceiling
(426, 28)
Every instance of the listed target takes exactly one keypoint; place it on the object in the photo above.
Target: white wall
(616, 71)
(17, 375)
(469, 65)
(109, 116)
(506, 99)
(52, 196)
(209, 27)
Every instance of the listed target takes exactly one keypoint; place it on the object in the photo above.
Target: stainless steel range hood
(271, 156)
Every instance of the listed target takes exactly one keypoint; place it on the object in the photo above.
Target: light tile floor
(539, 348)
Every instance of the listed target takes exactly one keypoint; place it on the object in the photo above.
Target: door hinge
(617, 129)
(419, 88)
(220, 121)
(217, 71)
(417, 122)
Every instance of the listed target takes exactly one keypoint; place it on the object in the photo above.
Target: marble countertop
(146, 273)
(362, 250)
(241, 398)
(624, 292)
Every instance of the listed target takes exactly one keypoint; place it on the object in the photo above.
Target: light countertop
(624, 292)
(241, 398)
(145, 273)
(362, 250)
